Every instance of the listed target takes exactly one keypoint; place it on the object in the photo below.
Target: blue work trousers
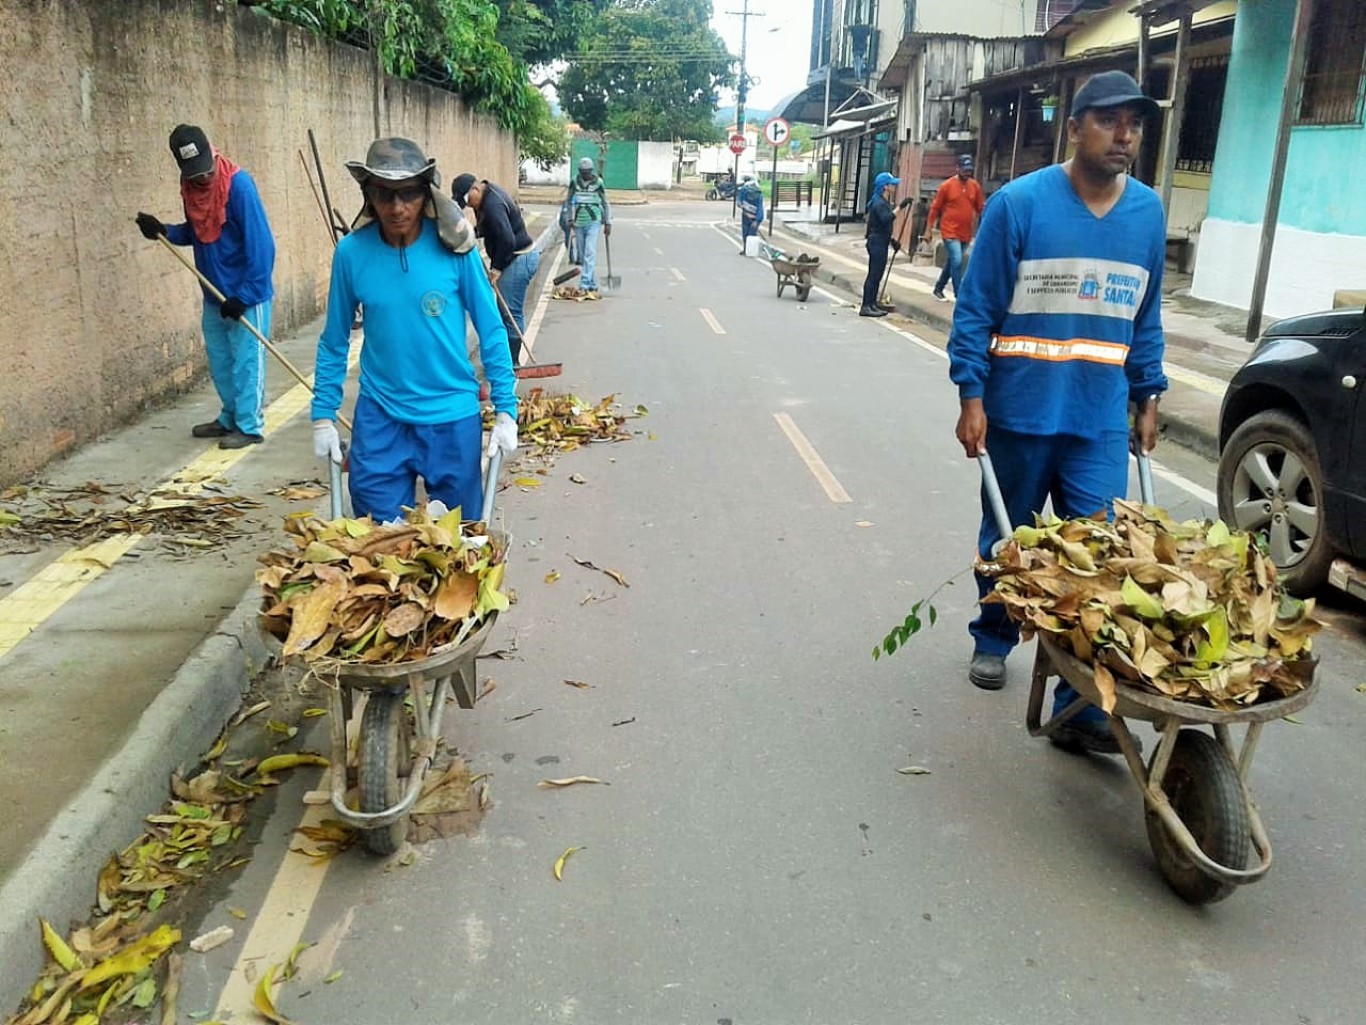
(512, 285)
(953, 267)
(237, 364)
(1082, 476)
(586, 239)
(387, 457)
(877, 265)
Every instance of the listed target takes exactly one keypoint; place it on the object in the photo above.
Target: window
(1200, 123)
(1334, 65)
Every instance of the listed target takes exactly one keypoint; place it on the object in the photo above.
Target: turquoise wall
(1320, 194)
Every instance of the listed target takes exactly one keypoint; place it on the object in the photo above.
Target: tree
(541, 31)
(650, 71)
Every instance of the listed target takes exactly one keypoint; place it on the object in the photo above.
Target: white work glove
(326, 441)
(504, 435)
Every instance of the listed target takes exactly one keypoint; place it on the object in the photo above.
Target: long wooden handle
(270, 346)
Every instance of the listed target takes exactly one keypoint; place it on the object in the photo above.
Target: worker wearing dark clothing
(878, 219)
(513, 260)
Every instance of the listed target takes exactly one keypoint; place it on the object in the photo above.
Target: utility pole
(741, 92)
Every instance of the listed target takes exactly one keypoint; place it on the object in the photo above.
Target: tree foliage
(448, 43)
(651, 71)
(541, 31)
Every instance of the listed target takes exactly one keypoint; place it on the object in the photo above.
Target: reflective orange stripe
(1053, 350)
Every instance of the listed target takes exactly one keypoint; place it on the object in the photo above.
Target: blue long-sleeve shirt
(241, 260)
(1059, 323)
(414, 362)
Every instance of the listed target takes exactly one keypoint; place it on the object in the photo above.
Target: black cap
(191, 149)
(1112, 89)
(460, 188)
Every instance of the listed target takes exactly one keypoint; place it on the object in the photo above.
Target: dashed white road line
(711, 320)
(812, 459)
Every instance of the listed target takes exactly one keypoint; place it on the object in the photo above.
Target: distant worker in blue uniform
(750, 200)
(590, 215)
(1057, 334)
(226, 225)
(878, 221)
(410, 260)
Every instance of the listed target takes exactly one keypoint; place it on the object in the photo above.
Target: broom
(534, 369)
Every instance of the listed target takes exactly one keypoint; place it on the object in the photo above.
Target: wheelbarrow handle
(998, 505)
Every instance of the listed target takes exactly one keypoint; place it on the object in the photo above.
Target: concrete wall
(655, 165)
(1321, 233)
(98, 323)
(985, 18)
(1118, 27)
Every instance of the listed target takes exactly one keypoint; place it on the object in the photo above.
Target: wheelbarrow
(796, 273)
(393, 757)
(1202, 823)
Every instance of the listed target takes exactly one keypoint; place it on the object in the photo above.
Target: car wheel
(1270, 483)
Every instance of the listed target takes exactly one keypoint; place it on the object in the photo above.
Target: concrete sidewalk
(1204, 340)
(122, 659)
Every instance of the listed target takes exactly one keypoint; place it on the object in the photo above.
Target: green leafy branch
(923, 614)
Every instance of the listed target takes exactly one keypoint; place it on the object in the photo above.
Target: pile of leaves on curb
(114, 964)
(1190, 610)
(561, 423)
(95, 511)
(351, 590)
(574, 293)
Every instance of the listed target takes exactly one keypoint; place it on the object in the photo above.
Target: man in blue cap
(1057, 334)
(878, 220)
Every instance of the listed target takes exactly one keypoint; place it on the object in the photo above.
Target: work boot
(940, 296)
(987, 671)
(872, 311)
(236, 439)
(212, 429)
(1087, 732)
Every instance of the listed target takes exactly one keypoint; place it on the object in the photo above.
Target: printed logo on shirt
(434, 303)
(1100, 288)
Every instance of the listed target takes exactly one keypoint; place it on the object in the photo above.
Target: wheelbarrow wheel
(803, 293)
(384, 766)
(1205, 791)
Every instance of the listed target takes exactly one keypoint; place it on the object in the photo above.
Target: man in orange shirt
(957, 206)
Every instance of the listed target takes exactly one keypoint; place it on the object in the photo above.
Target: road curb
(56, 880)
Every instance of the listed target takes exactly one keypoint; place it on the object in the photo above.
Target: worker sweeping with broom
(410, 259)
(234, 250)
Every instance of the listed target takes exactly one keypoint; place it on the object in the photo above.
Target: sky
(778, 51)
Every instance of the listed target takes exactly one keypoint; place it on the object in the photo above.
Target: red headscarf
(206, 208)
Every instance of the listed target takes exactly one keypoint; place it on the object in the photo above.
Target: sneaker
(236, 439)
(872, 311)
(987, 671)
(941, 296)
(212, 429)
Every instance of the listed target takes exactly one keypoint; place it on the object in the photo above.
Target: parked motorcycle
(721, 190)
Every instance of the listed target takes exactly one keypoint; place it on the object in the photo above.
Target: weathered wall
(96, 322)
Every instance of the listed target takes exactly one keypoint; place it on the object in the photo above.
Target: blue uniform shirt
(1059, 322)
(240, 261)
(414, 363)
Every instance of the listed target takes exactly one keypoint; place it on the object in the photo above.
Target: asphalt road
(757, 858)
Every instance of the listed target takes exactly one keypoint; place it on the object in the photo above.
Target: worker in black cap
(226, 224)
(513, 259)
(1057, 337)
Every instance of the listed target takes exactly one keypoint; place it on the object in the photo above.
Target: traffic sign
(777, 131)
(737, 144)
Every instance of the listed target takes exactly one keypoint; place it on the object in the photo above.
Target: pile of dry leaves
(354, 591)
(562, 423)
(1189, 609)
(95, 511)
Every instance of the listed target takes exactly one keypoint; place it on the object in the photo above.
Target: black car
(1292, 444)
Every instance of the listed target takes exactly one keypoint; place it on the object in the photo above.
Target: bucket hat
(392, 159)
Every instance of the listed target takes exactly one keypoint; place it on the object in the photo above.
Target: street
(757, 858)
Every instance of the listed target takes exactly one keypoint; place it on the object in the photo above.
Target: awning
(847, 128)
(808, 106)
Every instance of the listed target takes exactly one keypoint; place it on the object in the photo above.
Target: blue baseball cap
(884, 179)
(1113, 89)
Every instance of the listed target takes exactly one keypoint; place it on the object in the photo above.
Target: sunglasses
(411, 194)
